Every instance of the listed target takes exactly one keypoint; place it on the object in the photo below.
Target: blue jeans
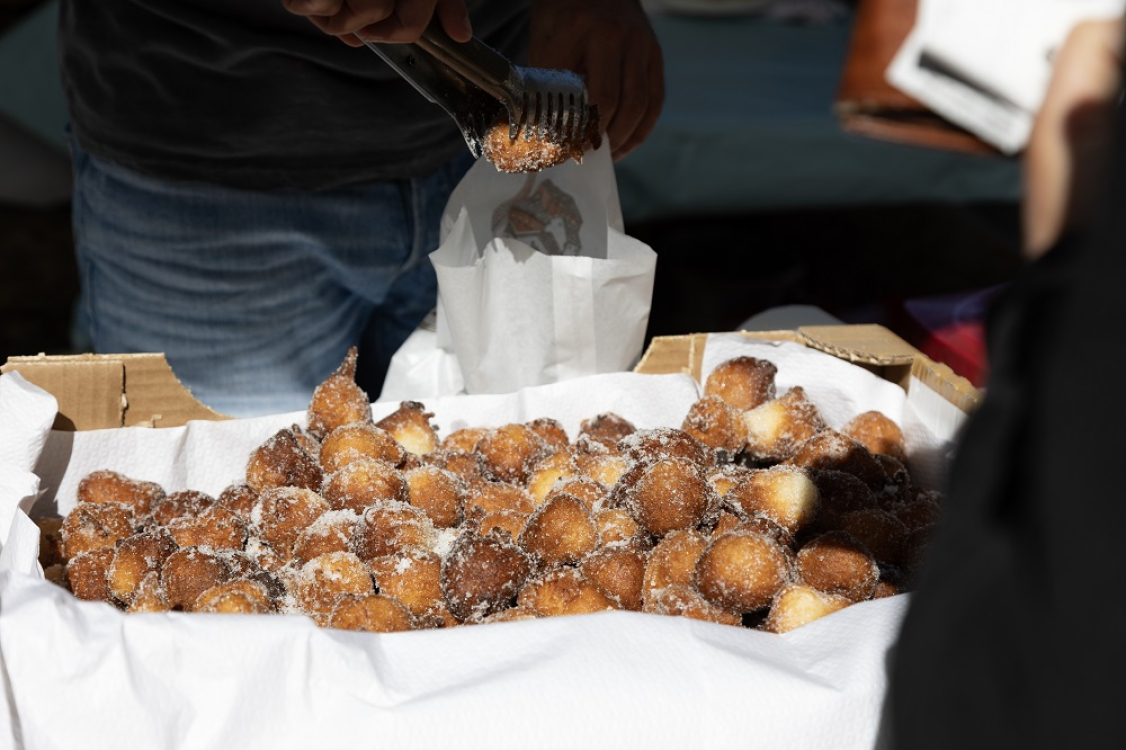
(255, 297)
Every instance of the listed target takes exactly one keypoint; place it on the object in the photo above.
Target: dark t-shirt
(245, 94)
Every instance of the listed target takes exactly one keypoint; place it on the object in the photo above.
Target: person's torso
(247, 94)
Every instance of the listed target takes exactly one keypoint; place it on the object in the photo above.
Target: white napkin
(618, 679)
(26, 415)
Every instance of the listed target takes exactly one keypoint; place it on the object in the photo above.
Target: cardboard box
(177, 679)
(130, 390)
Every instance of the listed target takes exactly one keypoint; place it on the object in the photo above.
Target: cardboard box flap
(90, 392)
(867, 344)
(112, 390)
(946, 383)
(871, 346)
(862, 344)
(670, 355)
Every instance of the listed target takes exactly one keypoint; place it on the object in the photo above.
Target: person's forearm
(1071, 137)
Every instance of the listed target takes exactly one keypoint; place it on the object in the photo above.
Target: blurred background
(38, 279)
(752, 190)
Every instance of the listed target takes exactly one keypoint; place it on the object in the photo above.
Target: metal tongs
(472, 82)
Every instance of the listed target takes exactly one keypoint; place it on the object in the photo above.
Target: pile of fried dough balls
(754, 512)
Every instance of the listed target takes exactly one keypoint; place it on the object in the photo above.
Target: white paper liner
(617, 679)
(84, 674)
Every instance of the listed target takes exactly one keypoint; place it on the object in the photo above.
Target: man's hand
(612, 45)
(353, 21)
(1070, 140)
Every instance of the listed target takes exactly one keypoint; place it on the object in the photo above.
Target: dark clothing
(1014, 637)
(245, 94)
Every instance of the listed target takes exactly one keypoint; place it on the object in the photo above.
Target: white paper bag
(537, 281)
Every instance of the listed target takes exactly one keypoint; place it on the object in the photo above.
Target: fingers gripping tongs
(472, 82)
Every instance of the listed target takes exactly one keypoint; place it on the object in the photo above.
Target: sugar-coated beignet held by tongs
(522, 119)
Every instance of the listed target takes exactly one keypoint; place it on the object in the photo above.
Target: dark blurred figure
(1014, 636)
